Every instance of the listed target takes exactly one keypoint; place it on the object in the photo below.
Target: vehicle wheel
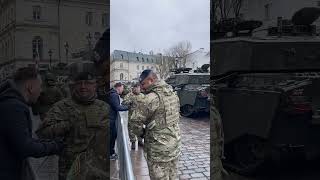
(249, 154)
(187, 110)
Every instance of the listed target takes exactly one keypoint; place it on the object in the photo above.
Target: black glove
(59, 145)
(55, 146)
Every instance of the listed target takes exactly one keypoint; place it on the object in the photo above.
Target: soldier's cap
(136, 85)
(145, 74)
(83, 76)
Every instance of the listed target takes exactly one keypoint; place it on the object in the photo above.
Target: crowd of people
(79, 127)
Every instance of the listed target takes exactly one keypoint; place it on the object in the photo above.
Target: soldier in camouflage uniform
(160, 113)
(83, 122)
(49, 95)
(217, 143)
(131, 100)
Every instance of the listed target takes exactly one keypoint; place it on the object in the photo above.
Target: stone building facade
(29, 29)
(127, 66)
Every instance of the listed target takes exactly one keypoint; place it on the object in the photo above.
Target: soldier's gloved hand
(57, 146)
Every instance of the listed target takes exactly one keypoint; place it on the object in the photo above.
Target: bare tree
(180, 51)
(224, 7)
(165, 64)
(236, 6)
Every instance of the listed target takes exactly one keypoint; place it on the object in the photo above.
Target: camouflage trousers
(215, 163)
(163, 170)
(132, 136)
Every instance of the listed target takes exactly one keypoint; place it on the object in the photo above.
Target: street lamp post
(50, 55)
(66, 46)
(89, 38)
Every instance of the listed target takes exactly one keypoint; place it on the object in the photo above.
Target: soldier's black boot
(133, 145)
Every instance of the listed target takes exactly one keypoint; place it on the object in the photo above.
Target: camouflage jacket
(162, 144)
(48, 97)
(132, 101)
(216, 134)
(81, 126)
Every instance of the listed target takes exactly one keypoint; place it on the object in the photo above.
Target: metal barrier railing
(30, 171)
(125, 170)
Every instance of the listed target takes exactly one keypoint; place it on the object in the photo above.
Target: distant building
(197, 59)
(127, 66)
(29, 29)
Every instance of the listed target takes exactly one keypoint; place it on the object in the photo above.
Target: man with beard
(83, 121)
(16, 142)
(132, 100)
(160, 114)
(115, 107)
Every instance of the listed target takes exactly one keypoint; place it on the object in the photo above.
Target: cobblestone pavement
(195, 158)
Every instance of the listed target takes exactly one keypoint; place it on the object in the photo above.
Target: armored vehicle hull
(192, 90)
(267, 93)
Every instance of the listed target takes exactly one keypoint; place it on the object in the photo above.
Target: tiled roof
(137, 57)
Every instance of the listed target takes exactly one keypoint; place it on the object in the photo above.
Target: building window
(104, 20)
(37, 46)
(121, 76)
(151, 60)
(137, 58)
(121, 65)
(36, 12)
(89, 18)
(267, 11)
(121, 56)
(142, 60)
(142, 67)
(137, 67)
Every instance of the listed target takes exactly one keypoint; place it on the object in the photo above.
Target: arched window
(37, 47)
(36, 12)
(121, 76)
(121, 56)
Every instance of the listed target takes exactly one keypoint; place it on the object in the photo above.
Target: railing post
(126, 170)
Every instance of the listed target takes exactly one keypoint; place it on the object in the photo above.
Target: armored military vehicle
(267, 92)
(192, 89)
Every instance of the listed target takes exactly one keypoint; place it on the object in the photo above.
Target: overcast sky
(159, 24)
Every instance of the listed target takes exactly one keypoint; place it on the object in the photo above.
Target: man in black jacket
(16, 142)
(114, 101)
